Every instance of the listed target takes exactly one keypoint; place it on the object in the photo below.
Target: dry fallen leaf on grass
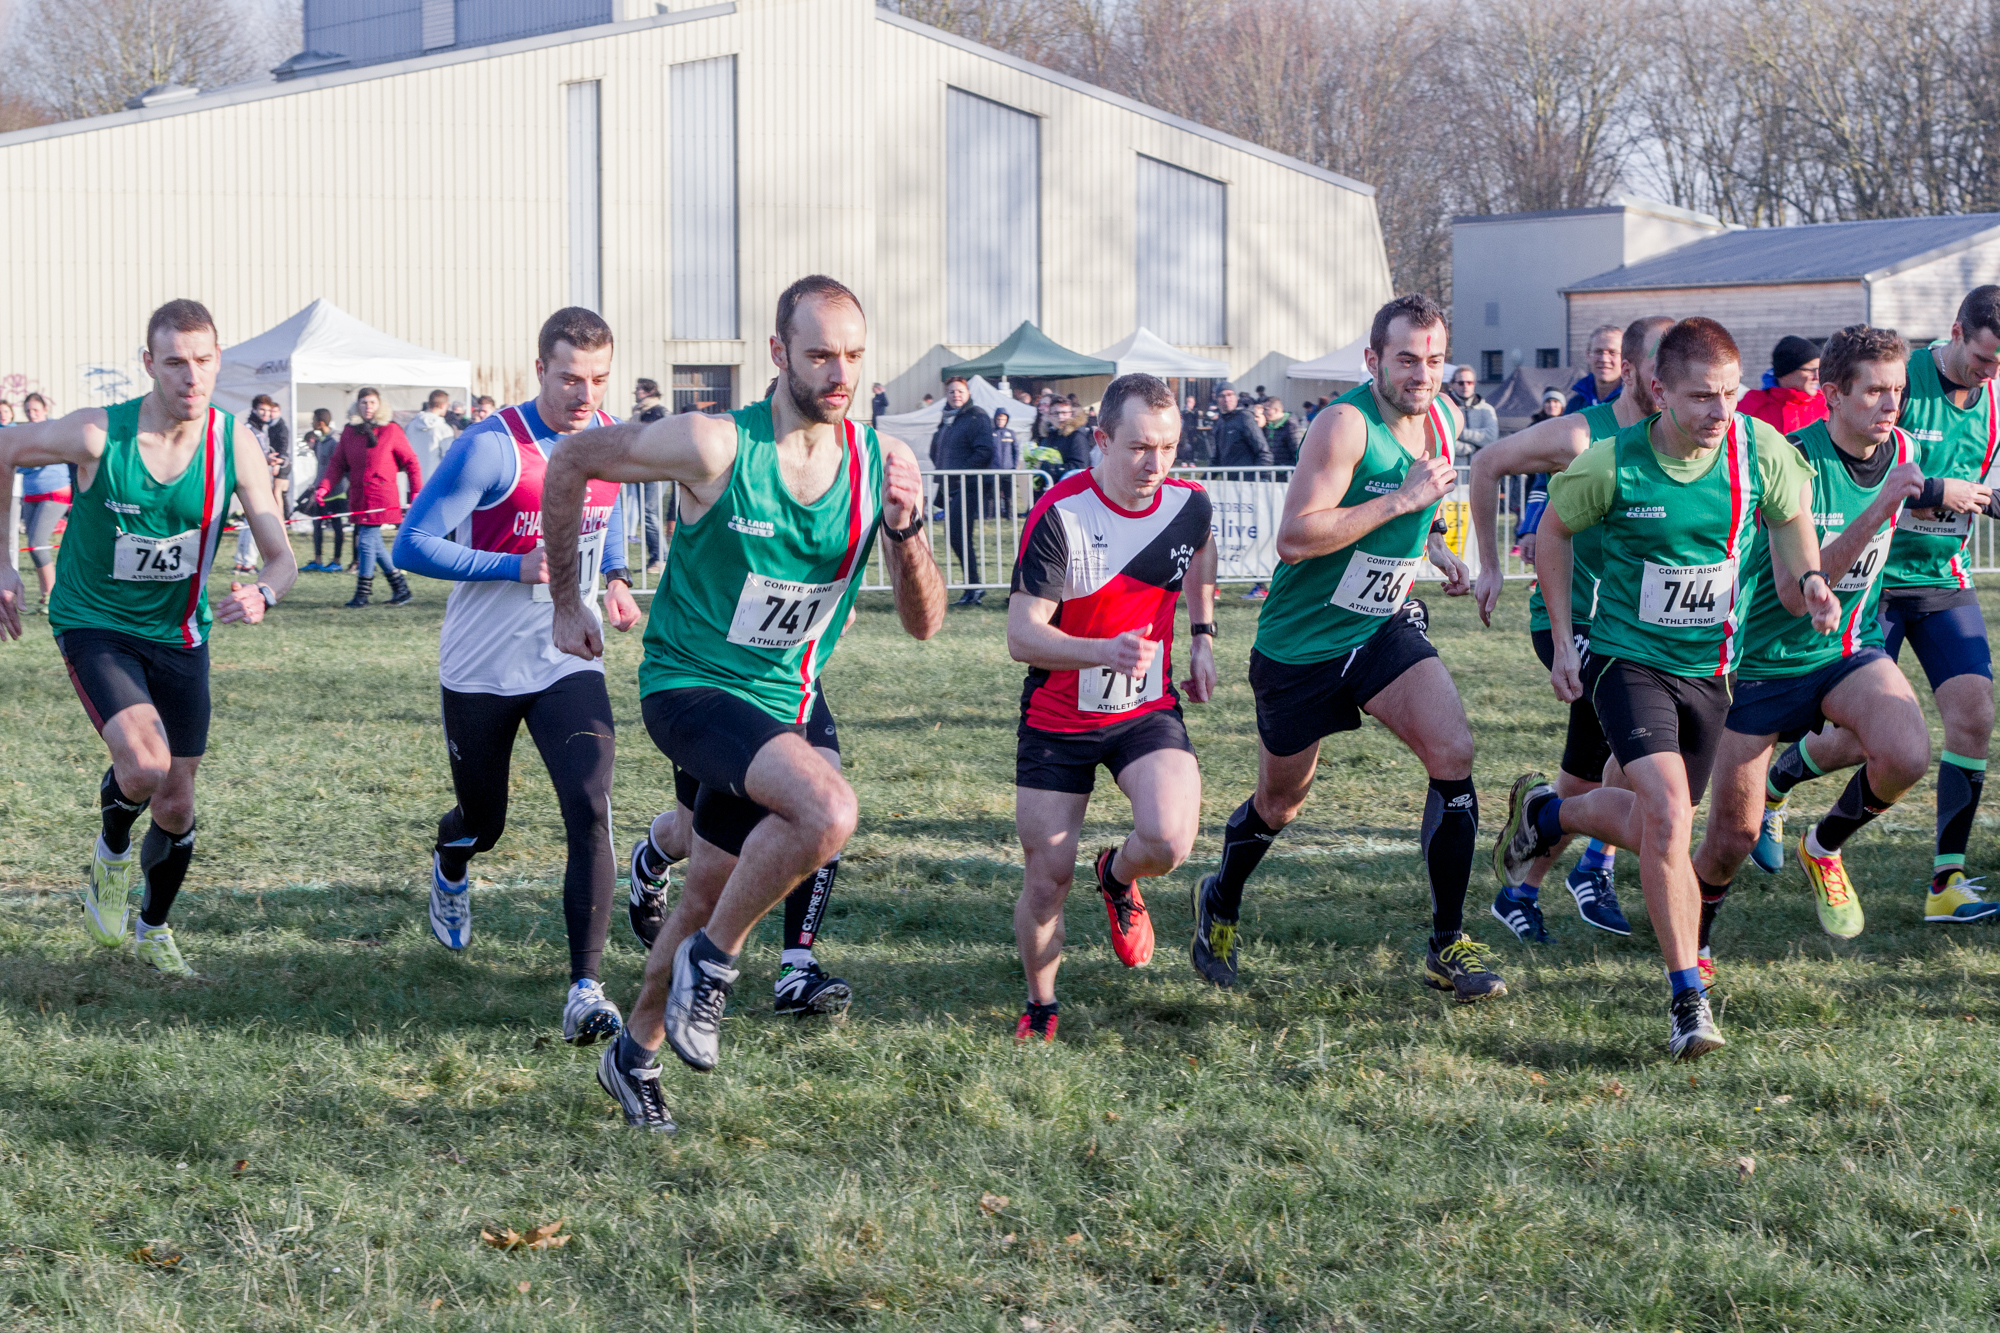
(159, 1256)
(1073, 1238)
(1616, 1089)
(242, 1165)
(522, 1286)
(436, 1302)
(1536, 1079)
(543, 1237)
(990, 1204)
(1745, 1167)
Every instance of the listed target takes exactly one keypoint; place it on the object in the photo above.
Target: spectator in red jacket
(371, 452)
(1790, 398)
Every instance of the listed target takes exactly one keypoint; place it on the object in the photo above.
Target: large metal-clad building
(450, 171)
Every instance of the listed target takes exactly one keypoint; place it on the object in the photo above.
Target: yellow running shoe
(1954, 898)
(155, 945)
(107, 896)
(1839, 905)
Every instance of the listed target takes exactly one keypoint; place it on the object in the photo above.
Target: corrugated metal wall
(365, 31)
(992, 211)
(483, 21)
(586, 207)
(370, 31)
(701, 133)
(440, 23)
(1181, 243)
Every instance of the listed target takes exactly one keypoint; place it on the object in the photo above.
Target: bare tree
(87, 57)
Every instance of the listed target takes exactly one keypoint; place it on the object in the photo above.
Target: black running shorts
(1644, 711)
(1298, 704)
(1789, 707)
(1067, 760)
(1584, 747)
(113, 671)
(724, 820)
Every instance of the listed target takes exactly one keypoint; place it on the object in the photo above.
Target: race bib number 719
(776, 613)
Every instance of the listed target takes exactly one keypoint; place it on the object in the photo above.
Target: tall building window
(702, 183)
(1548, 358)
(704, 388)
(992, 219)
(1493, 365)
(586, 234)
(1182, 254)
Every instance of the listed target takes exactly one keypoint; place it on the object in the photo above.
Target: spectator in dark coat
(964, 441)
(1239, 441)
(372, 451)
(651, 497)
(878, 406)
(1283, 432)
(1193, 450)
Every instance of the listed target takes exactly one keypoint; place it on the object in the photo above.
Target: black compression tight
(571, 726)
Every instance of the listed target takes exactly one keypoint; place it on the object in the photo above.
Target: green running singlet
(1777, 643)
(1953, 443)
(1583, 547)
(1320, 608)
(758, 588)
(136, 554)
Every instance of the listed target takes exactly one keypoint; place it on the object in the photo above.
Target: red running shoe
(1131, 926)
(1038, 1021)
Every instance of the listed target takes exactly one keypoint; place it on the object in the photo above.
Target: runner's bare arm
(77, 439)
(1795, 550)
(1546, 446)
(1314, 522)
(691, 449)
(245, 604)
(1556, 571)
(1838, 555)
(1033, 640)
(1200, 588)
(914, 577)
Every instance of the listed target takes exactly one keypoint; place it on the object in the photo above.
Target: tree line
(1760, 112)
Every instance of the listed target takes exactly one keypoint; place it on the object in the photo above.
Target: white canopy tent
(916, 428)
(1143, 351)
(1341, 366)
(321, 357)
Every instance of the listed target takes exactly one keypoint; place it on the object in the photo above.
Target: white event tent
(322, 356)
(1341, 366)
(1143, 351)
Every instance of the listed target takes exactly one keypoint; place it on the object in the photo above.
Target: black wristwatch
(624, 576)
(270, 598)
(1201, 627)
(903, 534)
(1822, 577)
(1439, 527)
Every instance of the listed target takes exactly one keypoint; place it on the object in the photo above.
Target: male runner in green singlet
(1950, 412)
(131, 614)
(1679, 495)
(1794, 679)
(1545, 448)
(780, 502)
(1340, 635)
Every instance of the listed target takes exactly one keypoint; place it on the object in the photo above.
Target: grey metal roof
(1822, 252)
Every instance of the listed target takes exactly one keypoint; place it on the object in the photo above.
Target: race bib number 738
(776, 613)
(137, 559)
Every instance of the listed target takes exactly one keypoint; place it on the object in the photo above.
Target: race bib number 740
(776, 613)
(1375, 585)
(1687, 596)
(137, 559)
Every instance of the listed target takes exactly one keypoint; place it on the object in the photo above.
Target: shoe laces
(645, 1082)
(1127, 906)
(1604, 884)
(1973, 889)
(1222, 938)
(1466, 954)
(710, 998)
(1690, 1009)
(1833, 879)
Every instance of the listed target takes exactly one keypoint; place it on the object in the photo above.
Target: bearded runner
(1340, 634)
(131, 612)
(780, 505)
(1678, 495)
(1795, 679)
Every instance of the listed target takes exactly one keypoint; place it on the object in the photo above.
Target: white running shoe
(695, 1001)
(588, 1014)
(107, 895)
(451, 909)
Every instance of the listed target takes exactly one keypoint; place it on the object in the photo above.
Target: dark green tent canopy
(1031, 354)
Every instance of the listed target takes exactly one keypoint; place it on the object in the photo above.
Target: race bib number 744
(137, 559)
(1687, 596)
(776, 613)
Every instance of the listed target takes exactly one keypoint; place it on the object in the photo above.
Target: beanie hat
(1792, 352)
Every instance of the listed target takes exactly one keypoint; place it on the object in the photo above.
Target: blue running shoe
(1213, 951)
(588, 1014)
(1522, 917)
(1597, 900)
(1769, 853)
(451, 909)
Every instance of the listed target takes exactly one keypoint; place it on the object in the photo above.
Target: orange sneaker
(1131, 926)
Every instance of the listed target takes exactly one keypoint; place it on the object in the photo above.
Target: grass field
(323, 1127)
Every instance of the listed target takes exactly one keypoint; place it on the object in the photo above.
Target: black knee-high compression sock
(1712, 896)
(805, 907)
(1245, 839)
(1857, 805)
(1960, 783)
(118, 811)
(163, 860)
(1794, 766)
(1450, 833)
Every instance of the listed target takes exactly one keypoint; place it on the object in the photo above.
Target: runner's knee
(1449, 757)
(1153, 852)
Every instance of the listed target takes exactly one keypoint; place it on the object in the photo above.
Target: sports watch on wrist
(900, 535)
(1201, 627)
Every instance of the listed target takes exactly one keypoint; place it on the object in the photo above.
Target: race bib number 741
(776, 613)
(1687, 596)
(137, 559)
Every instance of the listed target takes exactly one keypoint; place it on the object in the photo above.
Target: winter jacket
(1006, 449)
(1284, 437)
(965, 441)
(1073, 442)
(1482, 423)
(430, 437)
(1787, 409)
(369, 466)
(1193, 449)
(1239, 442)
(1583, 394)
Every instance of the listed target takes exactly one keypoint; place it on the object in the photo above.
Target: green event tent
(1028, 353)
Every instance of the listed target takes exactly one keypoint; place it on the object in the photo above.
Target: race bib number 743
(137, 559)
(1687, 596)
(776, 613)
